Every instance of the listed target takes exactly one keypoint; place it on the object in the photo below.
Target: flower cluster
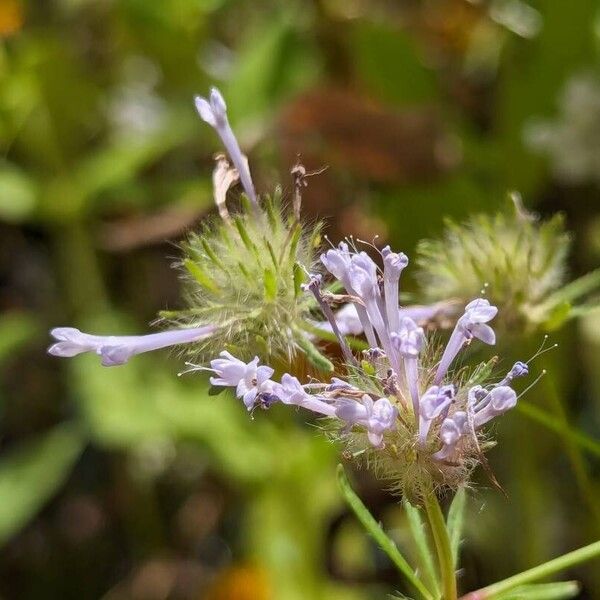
(399, 405)
(251, 281)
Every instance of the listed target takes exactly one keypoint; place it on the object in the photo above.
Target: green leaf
(482, 372)
(200, 275)
(426, 557)
(299, 279)
(376, 532)
(558, 316)
(275, 62)
(270, 282)
(590, 282)
(313, 355)
(32, 473)
(542, 571)
(241, 227)
(542, 591)
(455, 522)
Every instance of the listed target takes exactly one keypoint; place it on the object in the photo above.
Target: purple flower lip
(117, 350)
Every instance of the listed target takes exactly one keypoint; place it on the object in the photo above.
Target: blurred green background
(132, 483)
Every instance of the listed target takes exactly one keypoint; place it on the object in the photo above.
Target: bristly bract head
(518, 260)
(244, 276)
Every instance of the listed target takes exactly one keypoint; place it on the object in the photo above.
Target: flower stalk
(443, 547)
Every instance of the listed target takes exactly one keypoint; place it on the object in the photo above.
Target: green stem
(540, 572)
(380, 537)
(443, 546)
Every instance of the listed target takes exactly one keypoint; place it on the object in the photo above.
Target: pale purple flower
(377, 417)
(337, 261)
(433, 403)
(393, 265)
(408, 343)
(117, 350)
(214, 112)
(362, 275)
(499, 400)
(410, 339)
(253, 385)
(519, 369)
(249, 379)
(472, 324)
(451, 431)
(291, 391)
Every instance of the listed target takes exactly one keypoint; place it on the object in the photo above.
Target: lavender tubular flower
(434, 402)
(377, 417)
(117, 350)
(291, 391)
(248, 378)
(214, 112)
(451, 431)
(519, 369)
(337, 263)
(473, 324)
(394, 264)
(409, 343)
(501, 399)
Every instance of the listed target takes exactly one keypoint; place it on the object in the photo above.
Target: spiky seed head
(519, 261)
(244, 277)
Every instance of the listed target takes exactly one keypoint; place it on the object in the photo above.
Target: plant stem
(377, 533)
(443, 546)
(536, 573)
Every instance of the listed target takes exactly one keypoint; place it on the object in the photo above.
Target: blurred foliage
(132, 483)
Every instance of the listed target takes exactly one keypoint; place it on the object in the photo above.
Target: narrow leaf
(426, 557)
(270, 282)
(376, 532)
(271, 214)
(313, 355)
(211, 254)
(200, 275)
(241, 227)
(299, 278)
(574, 290)
(542, 571)
(456, 518)
(295, 239)
(561, 590)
